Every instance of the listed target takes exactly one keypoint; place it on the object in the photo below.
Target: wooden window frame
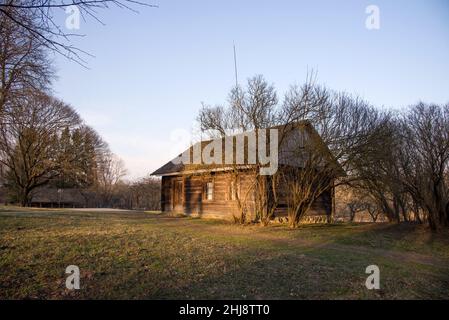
(232, 193)
(205, 190)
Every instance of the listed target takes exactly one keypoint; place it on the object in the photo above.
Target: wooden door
(177, 195)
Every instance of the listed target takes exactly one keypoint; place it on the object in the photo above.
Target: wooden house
(214, 190)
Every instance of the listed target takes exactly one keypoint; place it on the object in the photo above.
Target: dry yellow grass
(137, 255)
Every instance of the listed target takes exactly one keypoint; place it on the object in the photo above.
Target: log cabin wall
(195, 200)
(188, 194)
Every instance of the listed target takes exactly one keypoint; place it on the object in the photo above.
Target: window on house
(232, 191)
(209, 190)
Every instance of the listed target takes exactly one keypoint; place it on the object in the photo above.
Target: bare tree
(30, 144)
(373, 211)
(379, 173)
(401, 163)
(37, 19)
(24, 64)
(355, 206)
(252, 108)
(24, 69)
(43, 140)
(309, 173)
(142, 194)
(111, 170)
(406, 175)
(424, 160)
(348, 126)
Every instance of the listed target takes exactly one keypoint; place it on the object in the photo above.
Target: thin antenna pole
(235, 67)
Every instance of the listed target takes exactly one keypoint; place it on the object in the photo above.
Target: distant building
(49, 197)
(3, 198)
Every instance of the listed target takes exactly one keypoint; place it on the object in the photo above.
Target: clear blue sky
(152, 70)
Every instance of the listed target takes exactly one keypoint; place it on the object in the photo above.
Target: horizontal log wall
(194, 202)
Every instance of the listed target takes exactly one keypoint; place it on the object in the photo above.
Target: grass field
(137, 255)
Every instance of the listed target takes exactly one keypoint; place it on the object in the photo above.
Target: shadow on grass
(265, 269)
(162, 257)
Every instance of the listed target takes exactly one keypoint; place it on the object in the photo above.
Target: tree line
(394, 163)
(43, 140)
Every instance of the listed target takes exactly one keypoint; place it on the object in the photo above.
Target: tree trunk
(447, 214)
(25, 197)
(432, 219)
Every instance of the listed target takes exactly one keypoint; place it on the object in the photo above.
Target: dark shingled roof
(175, 166)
